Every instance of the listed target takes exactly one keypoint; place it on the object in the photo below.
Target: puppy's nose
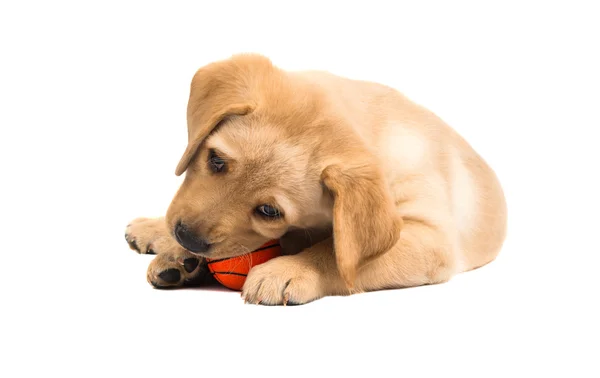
(189, 240)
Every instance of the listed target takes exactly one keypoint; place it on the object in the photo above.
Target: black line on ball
(234, 273)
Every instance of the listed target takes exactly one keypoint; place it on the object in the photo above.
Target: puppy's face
(248, 183)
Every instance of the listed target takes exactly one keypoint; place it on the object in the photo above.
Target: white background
(92, 120)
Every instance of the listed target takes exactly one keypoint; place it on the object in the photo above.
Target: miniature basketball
(231, 272)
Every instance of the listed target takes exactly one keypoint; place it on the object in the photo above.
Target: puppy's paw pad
(170, 276)
(167, 278)
(190, 264)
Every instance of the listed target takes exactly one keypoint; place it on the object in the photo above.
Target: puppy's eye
(216, 163)
(268, 211)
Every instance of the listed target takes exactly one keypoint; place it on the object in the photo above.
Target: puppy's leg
(173, 266)
(421, 256)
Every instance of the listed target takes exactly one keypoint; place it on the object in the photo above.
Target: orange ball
(231, 272)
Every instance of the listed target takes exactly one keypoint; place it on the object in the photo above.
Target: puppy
(366, 189)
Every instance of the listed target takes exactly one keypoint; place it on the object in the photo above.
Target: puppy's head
(263, 157)
(248, 178)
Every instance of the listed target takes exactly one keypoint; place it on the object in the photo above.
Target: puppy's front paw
(285, 280)
(176, 268)
(149, 236)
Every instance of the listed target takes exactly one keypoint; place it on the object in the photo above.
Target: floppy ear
(365, 222)
(199, 130)
(219, 90)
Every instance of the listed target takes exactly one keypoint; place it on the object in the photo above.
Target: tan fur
(406, 200)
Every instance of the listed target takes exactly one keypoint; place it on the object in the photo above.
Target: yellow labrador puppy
(366, 189)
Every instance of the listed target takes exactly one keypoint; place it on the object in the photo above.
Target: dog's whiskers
(307, 233)
(246, 253)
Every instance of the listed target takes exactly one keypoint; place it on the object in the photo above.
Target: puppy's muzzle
(189, 240)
